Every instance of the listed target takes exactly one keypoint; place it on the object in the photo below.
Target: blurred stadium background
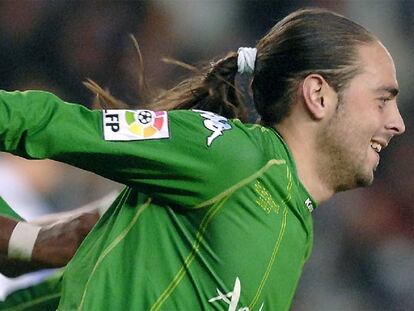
(363, 256)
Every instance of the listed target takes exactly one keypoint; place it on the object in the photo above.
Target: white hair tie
(245, 60)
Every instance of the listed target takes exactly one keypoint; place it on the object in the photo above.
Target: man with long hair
(216, 213)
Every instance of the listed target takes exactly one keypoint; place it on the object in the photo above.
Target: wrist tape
(22, 241)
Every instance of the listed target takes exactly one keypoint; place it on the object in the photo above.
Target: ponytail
(212, 88)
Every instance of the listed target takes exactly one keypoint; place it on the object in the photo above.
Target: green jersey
(213, 216)
(40, 297)
(6, 210)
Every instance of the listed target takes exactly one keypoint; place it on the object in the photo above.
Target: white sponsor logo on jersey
(215, 123)
(135, 124)
(232, 298)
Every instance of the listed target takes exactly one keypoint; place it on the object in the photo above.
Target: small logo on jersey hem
(309, 205)
(232, 298)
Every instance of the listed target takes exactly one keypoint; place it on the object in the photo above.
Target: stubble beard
(341, 165)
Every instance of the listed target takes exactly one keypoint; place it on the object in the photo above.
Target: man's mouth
(376, 146)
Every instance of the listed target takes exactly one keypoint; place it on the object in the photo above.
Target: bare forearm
(55, 244)
(57, 241)
(6, 228)
(11, 267)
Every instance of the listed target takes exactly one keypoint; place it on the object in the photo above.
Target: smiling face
(366, 119)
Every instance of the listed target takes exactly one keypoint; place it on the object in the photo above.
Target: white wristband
(22, 241)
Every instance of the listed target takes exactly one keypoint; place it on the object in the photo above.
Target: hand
(57, 243)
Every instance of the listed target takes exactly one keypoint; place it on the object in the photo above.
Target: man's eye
(383, 101)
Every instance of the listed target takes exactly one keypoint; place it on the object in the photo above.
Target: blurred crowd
(363, 256)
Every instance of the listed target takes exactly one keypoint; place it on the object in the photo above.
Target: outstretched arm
(166, 155)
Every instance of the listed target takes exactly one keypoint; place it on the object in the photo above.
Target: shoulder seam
(241, 183)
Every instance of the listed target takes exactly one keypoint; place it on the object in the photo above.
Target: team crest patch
(135, 125)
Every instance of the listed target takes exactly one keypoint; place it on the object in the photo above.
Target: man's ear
(315, 91)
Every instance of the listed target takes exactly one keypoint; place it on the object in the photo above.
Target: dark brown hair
(306, 41)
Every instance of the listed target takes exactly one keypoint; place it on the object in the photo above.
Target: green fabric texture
(6, 210)
(213, 214)
(41, 297)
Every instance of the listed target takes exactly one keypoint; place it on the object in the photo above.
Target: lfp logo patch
(135, 124)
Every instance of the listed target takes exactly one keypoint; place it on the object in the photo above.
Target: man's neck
(305, 155)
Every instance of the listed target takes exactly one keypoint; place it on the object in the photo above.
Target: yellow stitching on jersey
(278, 241)
(265, 199)
(255, 126)
(26, 305)
(182, 272)
(272, 259)
(203, 226)
(241, 183)
(289, 185)
(111, 246)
